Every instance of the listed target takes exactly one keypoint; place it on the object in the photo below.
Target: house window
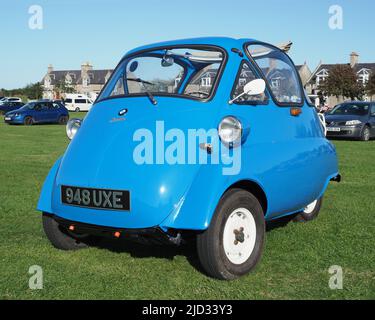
(241, 82)
(275, 83)
(320, 79)
(245, 76)
(86, 82)
(68, 80)
(364, 76)
(206, 81)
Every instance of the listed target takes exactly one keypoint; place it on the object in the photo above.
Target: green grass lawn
(294, 266)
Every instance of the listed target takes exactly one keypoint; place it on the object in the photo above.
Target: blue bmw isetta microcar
(211, 136)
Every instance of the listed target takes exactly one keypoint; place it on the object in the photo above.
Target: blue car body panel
(288, 157)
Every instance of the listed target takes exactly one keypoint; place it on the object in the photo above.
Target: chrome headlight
(72, 127)
(230, 130)
(352, 122)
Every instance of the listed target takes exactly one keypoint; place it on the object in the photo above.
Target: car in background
(38, 112)
(59, 101)
(354, 120)
(10, 106)
(10, 99)
(78, 102)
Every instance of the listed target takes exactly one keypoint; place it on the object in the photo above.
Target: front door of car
(42, 112)
(286, 142)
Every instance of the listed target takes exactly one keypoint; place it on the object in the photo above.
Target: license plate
(7, 118)
(334, 129)
(96, 198)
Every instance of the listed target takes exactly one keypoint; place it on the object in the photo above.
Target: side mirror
(167, 61)
(252, 88)
(255, 87)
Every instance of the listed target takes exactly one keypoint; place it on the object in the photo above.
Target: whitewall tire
(310, 212)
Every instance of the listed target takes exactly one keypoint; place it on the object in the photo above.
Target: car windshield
(28, 106)
(350, 110)
(184, 72)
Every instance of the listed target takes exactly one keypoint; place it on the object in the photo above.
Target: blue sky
(101, 31)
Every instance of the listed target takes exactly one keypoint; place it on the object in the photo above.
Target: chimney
(85, 68)
(50, 68)
(354, 58)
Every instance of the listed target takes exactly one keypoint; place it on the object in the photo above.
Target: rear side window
(68, 100)
(244, 76)
(372, 110)
(280, 73)
(80, 101)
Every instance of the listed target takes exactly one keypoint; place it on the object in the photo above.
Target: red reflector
(117, 234)
(71, 228)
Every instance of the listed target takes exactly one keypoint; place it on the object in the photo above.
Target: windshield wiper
(143, 82)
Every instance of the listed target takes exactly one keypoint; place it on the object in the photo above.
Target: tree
(342, 81)
(33, 91)
(63, 87)
(370, 87)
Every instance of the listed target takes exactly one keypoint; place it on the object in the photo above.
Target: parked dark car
(59, 101)
(10, 106)
(38, 112)
(354, 120)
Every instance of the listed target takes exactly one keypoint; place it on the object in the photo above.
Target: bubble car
(206, 138)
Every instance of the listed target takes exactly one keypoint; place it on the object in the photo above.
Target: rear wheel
(63, 119)
(28, 121)
(310, 212)
(365, 135)
(233, 243)
(60, 237)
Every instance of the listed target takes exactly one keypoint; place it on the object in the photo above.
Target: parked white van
(78, 102)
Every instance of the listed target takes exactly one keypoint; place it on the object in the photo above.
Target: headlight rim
(69, 126)
(233, 142)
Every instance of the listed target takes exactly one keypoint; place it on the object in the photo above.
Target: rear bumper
(345, 132)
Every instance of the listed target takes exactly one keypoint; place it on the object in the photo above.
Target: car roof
(357, 102)
(224, 42)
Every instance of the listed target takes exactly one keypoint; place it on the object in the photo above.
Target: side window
(244, 76)
(373, 110)
(280, 73)
(68, 100)
(45, 106)
(202, 82)
(118, 90)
